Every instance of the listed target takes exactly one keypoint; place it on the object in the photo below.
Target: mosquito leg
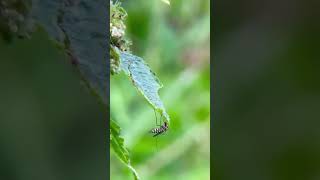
(155, 114)
(156, 143)
(161, 118)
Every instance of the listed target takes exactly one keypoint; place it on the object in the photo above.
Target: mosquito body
(160, 130)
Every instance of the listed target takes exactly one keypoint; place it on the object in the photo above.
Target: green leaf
(81, 28)
(144, 80)
(117, 144)
(78, 27)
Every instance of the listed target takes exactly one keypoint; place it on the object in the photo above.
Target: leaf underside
(81, 28)
(144, 80)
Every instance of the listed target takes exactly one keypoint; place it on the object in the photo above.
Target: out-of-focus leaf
(15, 19)
(46, 13)
(166, 1)
(117, 144)
(144, 80)
(81, 27)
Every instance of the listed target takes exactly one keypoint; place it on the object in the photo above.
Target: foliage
(139, 72)
(15, 19)
(133, 66)
(117, 32)
(80, 27)
(144, 80)
(117, 144)
(77, 27)
(174, 41)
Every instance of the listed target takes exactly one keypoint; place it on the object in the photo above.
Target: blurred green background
(51, 127)
(267, 90)
(174, 41)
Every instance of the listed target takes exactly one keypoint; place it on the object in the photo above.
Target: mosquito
(160, 130)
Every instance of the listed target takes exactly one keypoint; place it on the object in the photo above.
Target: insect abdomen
(160, 130)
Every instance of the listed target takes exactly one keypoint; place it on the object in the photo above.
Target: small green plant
(140, 74)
